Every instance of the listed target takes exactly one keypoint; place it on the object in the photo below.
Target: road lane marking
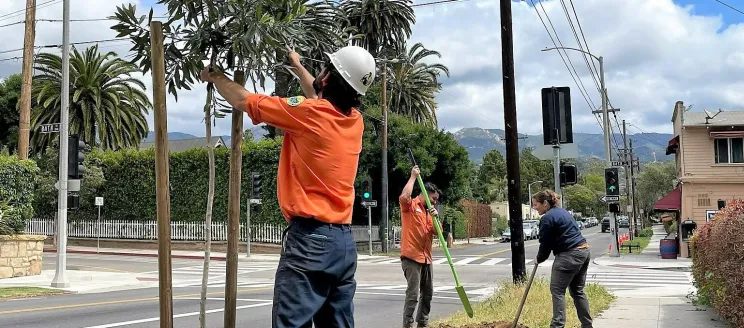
(390, 294)
(525, 246)
(466, 260)
(73, 306)
(189, 314)
(494, 261)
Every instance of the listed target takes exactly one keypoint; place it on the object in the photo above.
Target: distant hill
(258, 133)
(479, 141)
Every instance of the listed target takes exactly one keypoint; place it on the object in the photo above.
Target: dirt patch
(500, 324)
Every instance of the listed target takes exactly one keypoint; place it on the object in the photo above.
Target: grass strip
(538, 309)
(642, 242)
(20, 292)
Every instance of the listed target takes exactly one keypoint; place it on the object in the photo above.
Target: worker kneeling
(415, 250)
(314, 281)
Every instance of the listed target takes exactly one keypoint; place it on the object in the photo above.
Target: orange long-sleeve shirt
(319, 157)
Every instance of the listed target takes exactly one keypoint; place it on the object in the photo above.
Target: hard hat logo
(367, 79)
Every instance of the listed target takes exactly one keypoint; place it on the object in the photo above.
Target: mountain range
(478, 141)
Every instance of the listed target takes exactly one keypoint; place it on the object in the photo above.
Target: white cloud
(655, 53)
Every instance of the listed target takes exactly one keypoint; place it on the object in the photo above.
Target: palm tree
(108, 105)
(384, 25)
(413, 85)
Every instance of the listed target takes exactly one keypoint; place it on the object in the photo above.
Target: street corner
(83, 282)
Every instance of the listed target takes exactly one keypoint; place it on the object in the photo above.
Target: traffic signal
(367, 189)
(75, 158)
(256, 183)
(569, 175)
(612, 182)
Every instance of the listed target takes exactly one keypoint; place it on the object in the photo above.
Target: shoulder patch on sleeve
(295, 101)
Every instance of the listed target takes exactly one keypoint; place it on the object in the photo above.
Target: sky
(655, 52)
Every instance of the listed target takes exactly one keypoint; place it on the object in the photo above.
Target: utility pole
(632, 190)
(384, 200)
(626, 158)
(60, 275)
(512, 144)
(614, 252)
(27, 71)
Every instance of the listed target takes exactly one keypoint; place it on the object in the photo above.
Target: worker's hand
(433, 211)
(207, 75)
(415, 172)
(294, 57)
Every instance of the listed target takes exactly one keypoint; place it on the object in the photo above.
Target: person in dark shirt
(560, 234)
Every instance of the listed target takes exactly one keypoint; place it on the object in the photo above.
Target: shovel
(524, 297)
(460, 290)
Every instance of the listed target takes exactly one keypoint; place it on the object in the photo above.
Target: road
(378, 300)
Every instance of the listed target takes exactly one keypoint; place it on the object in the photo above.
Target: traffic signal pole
(614, 252)
(60, 276)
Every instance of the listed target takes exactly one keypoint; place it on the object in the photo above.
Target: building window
(703, 200)
(729, 150)
(721, 204)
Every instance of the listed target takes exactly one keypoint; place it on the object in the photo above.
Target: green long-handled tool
(460, 290)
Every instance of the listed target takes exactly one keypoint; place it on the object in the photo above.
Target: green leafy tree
(108, 105)
(579, 198)
(654, 181)
(383, 25)
(533, 169)
(492, 171)
(414, 84)
(10, 92)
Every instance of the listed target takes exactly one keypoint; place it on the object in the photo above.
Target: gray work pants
(569, 271)
(420, 284)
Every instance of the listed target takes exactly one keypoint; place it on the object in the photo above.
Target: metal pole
(632, 190)
(98, 244)
(529, 191)
(557, 172)
(248, 225)
(60, 276)
(369, 216)
(627, 177)
(519, 271)
(608, 156)
(384, 206)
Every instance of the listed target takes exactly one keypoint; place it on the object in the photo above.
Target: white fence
(187, 231)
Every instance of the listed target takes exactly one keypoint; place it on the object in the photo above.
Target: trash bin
(668, 248)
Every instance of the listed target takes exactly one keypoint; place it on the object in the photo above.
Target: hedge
(17, 184)
(718, 262)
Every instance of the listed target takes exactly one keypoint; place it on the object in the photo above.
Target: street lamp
(606, 119)
(529, 191)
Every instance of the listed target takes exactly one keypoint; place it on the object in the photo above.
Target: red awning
(672, 146)
(671, 202)
(727, 134)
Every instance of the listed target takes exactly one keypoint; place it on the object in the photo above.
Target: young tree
(234, 35)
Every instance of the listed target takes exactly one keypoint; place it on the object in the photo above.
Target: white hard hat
(356, 65)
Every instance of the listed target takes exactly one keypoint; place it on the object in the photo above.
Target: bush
(646, 232)
(500, 225)
(17, 184)
(716, 257)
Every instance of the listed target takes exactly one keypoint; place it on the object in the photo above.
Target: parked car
(529, 230)
(624, 222)
(606, 224)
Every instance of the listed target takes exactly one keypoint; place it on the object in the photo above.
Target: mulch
(500, 324)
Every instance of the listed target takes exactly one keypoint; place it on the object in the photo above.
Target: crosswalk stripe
(443, 288)
(389, 261)
(493, 261)
(440, 261)
(466, 260)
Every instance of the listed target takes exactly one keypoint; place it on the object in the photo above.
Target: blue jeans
(315, 278)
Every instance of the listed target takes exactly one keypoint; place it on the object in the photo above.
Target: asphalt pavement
(378, 301)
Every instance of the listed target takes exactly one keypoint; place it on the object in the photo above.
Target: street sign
(99, 201)
(369, 203)
(619, 163)
(50, 128)
(610, 199)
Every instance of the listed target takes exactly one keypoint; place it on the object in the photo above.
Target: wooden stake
(162, 190)
(27, 71)
(233, 212)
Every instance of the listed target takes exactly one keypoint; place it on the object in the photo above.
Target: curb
(188, 257)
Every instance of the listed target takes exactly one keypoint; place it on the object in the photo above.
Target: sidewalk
(672, 312)
(650, 258)
(176, 254)
(84, 281)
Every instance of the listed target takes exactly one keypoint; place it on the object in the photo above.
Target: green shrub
(716, 262)
(646, 232)
(17, 184)
(500, 225)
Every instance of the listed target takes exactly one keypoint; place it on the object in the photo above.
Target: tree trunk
(210, 202)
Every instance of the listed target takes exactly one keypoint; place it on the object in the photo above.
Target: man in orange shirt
(314, 281)
(415, 249)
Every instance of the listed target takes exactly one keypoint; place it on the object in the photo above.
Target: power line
(23, 11)
(72, 43)
(727, 5)
(578, 41)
